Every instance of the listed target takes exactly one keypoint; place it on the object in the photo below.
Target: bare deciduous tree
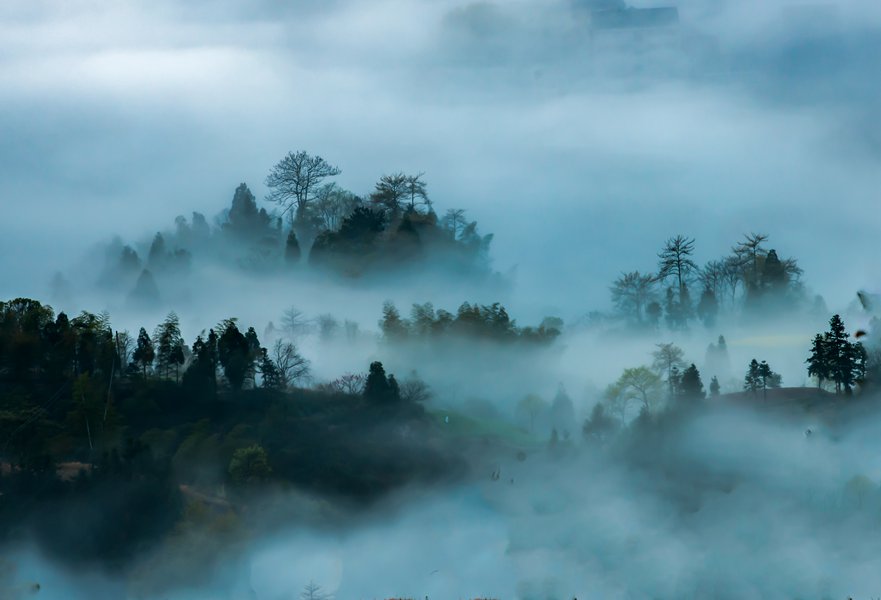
(749, 251)
(416, 191)
(675, 261)
(314, 592)
(350, 383)
(294, 323)
(454, 222)
(295, 181)
(413, 389)
(711, 276)
(632, 292)
(391, 191)
(666, 359)
(291, 365)
(332, 205)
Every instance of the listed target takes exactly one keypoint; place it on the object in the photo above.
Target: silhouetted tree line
(490, 322)
(98, 429)
(314, 220)
(836, 360)
(752, 280)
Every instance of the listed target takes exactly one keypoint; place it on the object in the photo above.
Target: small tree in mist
(350, 383)
(599, 427)
(531, 407)
(294, 322)
(641, 383)
(414, 390)
(715, 389)
(747, 253)
(392, 325)
(751, 381)
(759, 376)
(328, 326)
(632, 292)
(618, 401)
(667, 358)
(314, 592)
(269, 374)
(708, 307)
(454, 222)
(818, 363)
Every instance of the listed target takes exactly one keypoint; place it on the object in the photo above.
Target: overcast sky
(582, 155)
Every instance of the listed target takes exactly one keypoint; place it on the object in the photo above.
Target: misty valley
(440, 300)
(167, 465)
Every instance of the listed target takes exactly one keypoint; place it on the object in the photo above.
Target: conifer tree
(714, 387)
(144, 352)
(818, 364)
(752, 382)
(690, 387)
(168, 339)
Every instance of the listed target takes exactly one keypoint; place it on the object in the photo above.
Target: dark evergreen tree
(818, 363)
(752, 381)
(254, 352)
(714, 387)
(234, 355)
(380, 389)
(168, 344)
(768, 378)
(269, 371)
(244, 219)
(690, 388)
(845, 359)
(144, 353)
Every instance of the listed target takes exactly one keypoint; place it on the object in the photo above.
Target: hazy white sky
(581, 158)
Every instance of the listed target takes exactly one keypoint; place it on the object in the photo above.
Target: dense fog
(598, 250)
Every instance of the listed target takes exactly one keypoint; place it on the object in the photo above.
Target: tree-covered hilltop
(471, 321)
(107, 438)
(310, 220)
(840, 366)
(750, 282)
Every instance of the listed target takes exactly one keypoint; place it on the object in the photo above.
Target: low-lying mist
(730, 503)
